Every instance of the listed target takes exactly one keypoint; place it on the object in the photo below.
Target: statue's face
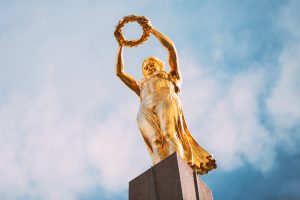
(150, 67)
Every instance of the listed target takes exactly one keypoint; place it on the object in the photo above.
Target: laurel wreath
(142, 21)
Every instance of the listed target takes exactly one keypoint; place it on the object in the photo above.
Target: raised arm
(126, 78)
(173, 59)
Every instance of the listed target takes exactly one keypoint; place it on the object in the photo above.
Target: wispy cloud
(283, 103)
(227, 118)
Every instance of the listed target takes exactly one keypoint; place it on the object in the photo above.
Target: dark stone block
(171, 179)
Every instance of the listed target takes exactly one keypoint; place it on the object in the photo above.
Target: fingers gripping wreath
(143, 22)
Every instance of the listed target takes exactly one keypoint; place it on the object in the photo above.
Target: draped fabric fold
(163, 127)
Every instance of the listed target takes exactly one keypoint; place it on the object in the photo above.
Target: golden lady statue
(160, 117)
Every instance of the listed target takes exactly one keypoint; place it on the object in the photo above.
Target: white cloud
(49, 154)
(283, 103)
(46, 148)
(225, 118)
(116, 148)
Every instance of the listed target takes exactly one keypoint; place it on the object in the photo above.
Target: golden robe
(162, 124)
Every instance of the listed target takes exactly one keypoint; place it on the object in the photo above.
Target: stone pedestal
(171, 179)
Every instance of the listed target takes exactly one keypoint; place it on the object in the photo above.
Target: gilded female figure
(160, 117)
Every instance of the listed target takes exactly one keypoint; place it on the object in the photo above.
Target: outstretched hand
(150, 24)
(146, 21)
(117, 35)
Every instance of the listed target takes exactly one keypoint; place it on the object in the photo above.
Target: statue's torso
(156, 88)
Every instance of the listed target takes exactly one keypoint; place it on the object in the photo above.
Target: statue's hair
(160, 63)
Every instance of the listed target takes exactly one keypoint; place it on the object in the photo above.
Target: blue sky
(68, 125)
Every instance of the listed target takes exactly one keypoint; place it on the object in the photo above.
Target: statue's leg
(151, 135)
(168, 115)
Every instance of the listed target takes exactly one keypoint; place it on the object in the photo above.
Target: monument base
(170, 179)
